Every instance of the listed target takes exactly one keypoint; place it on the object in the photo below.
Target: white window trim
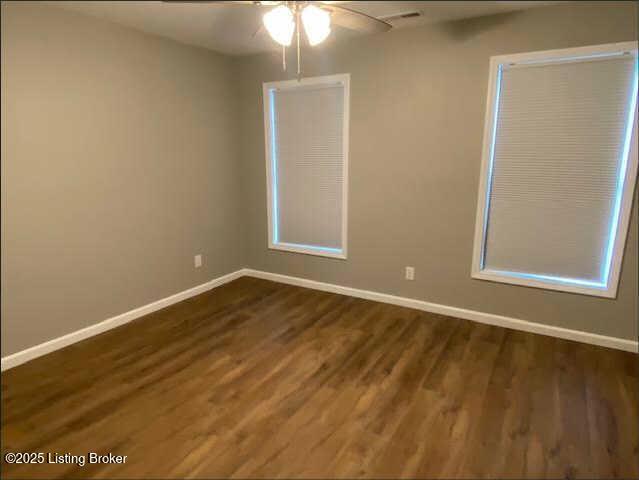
(608, 287)
(267, 88)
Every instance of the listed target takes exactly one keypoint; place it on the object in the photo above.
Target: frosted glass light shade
(317, 24)
(280, 24)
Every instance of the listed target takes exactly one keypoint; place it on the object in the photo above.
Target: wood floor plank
(256, 379)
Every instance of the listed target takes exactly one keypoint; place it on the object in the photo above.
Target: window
(306, 130)
(558, 169)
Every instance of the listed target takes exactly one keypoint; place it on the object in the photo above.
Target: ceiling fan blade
(259, 30)
(354, 20)
(231, 2)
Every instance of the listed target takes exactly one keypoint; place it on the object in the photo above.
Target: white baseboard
(488, 318)
(23, 356)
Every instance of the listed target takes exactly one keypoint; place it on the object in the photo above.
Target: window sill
(309, 250)
(567, 285)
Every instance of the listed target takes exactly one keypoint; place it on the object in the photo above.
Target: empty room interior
(304, 239)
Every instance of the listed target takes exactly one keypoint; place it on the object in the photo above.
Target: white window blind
(559, 175)
(306, 125)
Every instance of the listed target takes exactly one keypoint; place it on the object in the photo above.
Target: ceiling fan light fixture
(317, 24)
(280, 24)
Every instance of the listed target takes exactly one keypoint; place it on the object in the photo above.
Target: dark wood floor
(259, 379)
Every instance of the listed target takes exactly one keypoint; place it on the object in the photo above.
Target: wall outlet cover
(410, 273)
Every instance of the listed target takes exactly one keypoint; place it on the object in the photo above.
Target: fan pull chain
(299, 50)
(284, 57)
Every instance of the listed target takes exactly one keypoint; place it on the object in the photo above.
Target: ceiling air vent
(401, 16)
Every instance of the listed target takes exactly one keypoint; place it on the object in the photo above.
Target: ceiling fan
(285, 19)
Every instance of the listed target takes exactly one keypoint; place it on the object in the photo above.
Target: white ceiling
(230, 29)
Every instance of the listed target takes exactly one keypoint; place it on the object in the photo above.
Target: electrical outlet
(197, 260)
(410, 273)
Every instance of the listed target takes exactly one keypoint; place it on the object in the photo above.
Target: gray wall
(417, 109)
(119, 163)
